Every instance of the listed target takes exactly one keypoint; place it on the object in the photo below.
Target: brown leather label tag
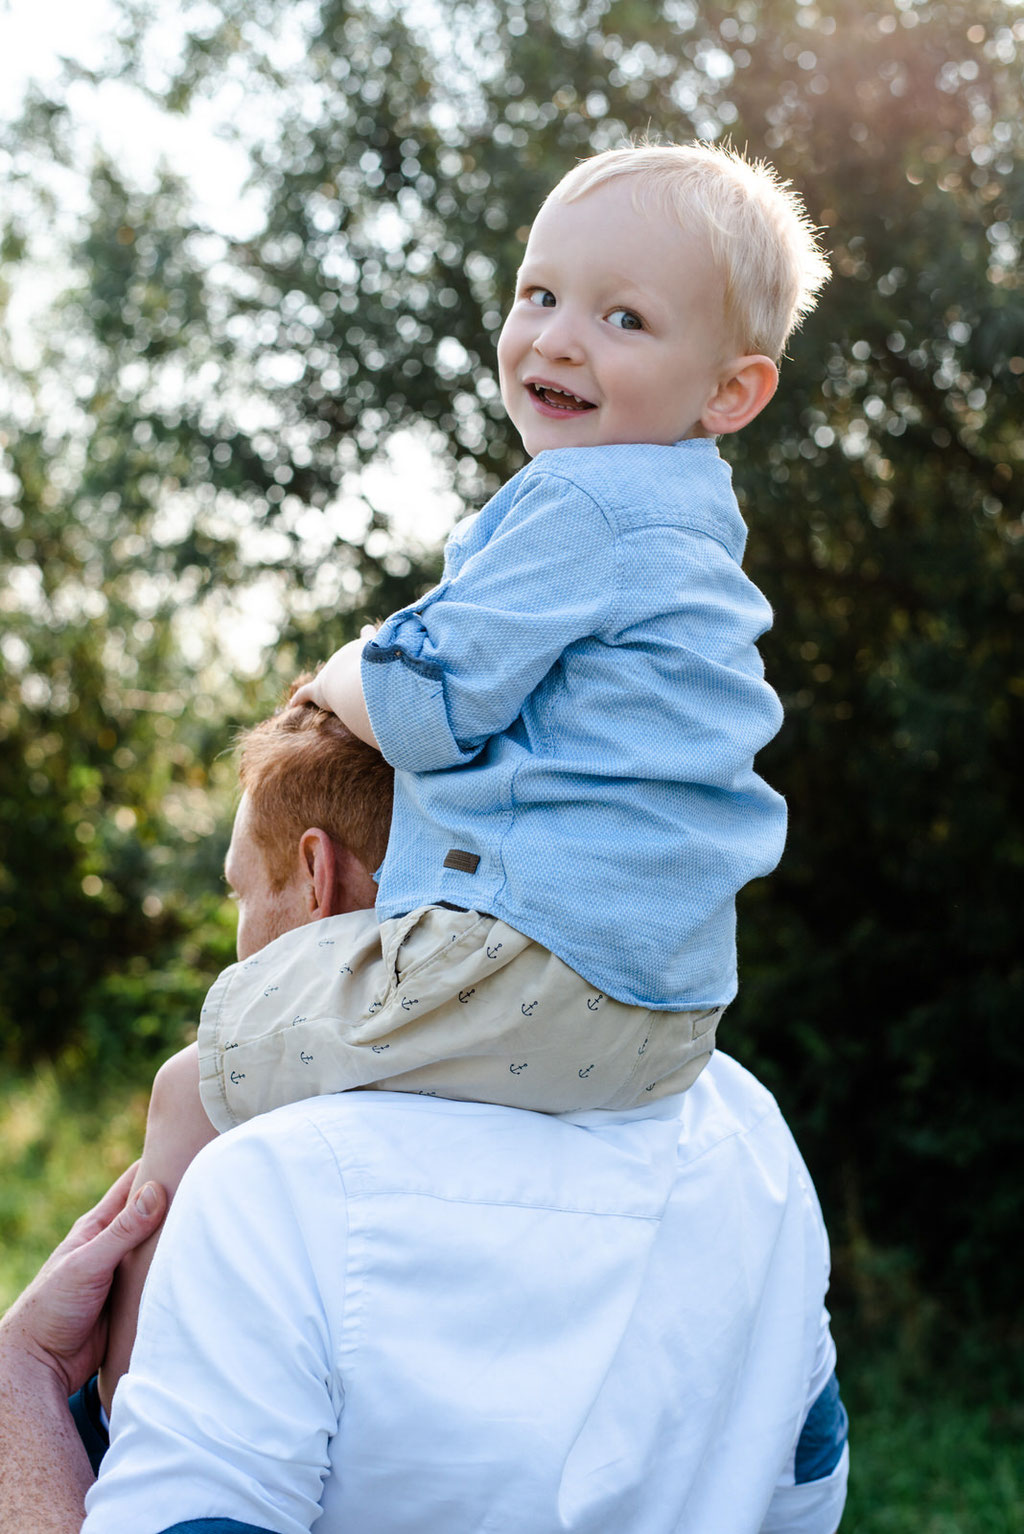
(463, 862)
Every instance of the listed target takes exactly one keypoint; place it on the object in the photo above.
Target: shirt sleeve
(443, 676)
(812, 1496)
(225, 1418)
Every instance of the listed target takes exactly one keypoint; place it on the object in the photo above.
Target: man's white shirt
(396, 1313)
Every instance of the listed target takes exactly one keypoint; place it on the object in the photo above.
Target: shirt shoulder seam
(400, 1191)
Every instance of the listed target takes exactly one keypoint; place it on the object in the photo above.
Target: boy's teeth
(561, 398)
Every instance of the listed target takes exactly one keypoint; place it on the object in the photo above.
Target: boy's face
(617, 331)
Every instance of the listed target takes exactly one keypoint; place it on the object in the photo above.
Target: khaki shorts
(449, 1003)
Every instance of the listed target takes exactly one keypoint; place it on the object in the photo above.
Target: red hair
(303, 768)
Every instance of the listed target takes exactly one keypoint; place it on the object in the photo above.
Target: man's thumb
(148, 1201)
(140, 1216)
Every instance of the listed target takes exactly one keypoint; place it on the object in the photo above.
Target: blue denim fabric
(578, 704)
(214, 1526)
(823, 1436)
(84, 1406)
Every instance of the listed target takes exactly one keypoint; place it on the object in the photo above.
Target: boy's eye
(625, 319)
(542, 297)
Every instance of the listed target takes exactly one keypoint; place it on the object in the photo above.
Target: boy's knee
(177, 1126)
(175, 1086)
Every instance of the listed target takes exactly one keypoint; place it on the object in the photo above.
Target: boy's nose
(557, 341)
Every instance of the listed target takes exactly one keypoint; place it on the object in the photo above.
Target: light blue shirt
(574, 713)
(398, 1314)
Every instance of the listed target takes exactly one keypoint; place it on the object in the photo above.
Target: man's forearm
(44, 1469)
(51, 1340)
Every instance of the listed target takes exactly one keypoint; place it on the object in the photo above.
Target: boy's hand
(338, 688)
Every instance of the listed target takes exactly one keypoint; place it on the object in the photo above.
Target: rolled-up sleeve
(441, 677)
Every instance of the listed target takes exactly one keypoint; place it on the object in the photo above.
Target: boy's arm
(338, 688)
(177, 1128)
(445, 674)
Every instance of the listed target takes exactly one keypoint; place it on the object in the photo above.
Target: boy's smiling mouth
(559, 400)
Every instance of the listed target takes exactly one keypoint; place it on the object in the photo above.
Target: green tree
(239, 387)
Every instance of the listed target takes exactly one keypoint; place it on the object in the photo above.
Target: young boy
(573, 713)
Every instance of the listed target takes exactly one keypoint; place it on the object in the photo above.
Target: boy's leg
(176, 1130)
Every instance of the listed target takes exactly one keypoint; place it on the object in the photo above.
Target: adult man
(407, 1313)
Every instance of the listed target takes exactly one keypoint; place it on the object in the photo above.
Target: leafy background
(191, 452)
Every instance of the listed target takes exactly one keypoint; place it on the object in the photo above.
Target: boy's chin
(545, 442)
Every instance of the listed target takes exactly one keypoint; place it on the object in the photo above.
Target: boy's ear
(746, 386)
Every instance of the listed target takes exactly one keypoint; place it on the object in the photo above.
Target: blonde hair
(758, 229)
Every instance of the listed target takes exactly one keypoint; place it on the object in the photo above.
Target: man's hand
(338, 688)
(51, 1341)
(59, 1324)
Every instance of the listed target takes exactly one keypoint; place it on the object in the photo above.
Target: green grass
(63, 1141)
(935, 1448)
(925, 1464)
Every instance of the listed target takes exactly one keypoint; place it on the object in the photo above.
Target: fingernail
(146, 1201)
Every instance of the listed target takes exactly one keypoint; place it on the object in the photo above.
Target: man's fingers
(139, 1217)
(99, 1216)
(125, 1229)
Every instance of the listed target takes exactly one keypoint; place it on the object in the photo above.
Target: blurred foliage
(193, 432)
(929, 1454)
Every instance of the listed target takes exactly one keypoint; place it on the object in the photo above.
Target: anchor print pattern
(265, 987)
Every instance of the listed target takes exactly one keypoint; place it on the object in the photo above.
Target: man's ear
(336, 881)
(318, 863)
(746, 386)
